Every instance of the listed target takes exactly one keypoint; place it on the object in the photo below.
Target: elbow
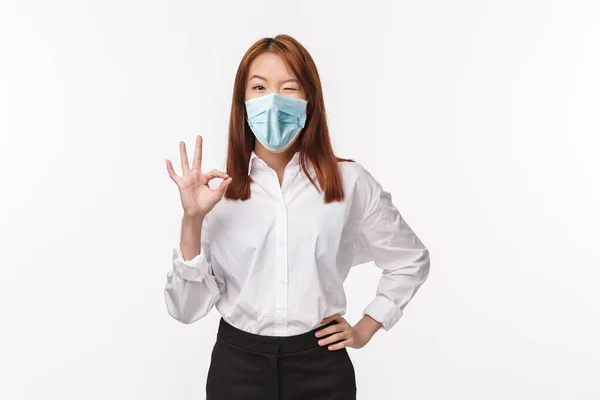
(425, 263)
(183, 312)
(186, 309)
(183, 318)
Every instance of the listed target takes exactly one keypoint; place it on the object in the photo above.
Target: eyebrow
(265, 79)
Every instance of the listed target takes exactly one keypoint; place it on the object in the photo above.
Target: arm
(191, 289)
(395, 249)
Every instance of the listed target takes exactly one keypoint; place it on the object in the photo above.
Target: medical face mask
(276, 120)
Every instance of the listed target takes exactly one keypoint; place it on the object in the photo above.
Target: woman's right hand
(197, 198)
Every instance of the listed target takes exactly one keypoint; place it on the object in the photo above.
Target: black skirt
(246, 366)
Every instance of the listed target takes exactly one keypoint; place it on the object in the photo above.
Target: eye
(257, 86)
(288, 88)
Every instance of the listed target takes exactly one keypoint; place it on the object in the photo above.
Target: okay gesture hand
(197, 197)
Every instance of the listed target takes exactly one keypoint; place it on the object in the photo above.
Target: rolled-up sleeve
(191, 289)
(387, 240)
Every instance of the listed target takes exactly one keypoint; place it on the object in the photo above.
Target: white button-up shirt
(275, 264)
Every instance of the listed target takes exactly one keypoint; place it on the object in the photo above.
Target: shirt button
(279, 318)
(281, 243)
(281, 281)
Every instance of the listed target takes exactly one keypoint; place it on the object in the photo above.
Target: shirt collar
(251, 162)
(254, 159)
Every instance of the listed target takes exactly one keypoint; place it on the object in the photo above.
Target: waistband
(270, 344)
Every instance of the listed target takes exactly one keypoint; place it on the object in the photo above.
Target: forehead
(270, 64)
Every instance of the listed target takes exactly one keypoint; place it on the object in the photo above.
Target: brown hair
(315, 144)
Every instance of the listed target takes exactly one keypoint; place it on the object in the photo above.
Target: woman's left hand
(350, 336)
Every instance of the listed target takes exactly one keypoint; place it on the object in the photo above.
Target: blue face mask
(276, 120)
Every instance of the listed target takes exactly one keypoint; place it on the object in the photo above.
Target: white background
(480, 117)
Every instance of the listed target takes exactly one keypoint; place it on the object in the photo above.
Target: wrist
(368, 325)
(193, 217)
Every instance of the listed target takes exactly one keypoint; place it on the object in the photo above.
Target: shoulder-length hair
(315, 144)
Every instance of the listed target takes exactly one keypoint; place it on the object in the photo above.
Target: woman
(271, 246)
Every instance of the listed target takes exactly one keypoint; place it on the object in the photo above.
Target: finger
(340, 345)
(197, 163)
(330, 318)
(339, 320)
(215, 173)
(220, 190)
(185, 166)
(333, 338)
(210, 175)
(172, 173)
(329, 330)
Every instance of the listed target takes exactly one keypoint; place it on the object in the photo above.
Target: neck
(277, 161)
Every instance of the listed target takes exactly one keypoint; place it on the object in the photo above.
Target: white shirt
(275, 264)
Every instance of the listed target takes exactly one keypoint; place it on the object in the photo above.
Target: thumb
(223, 187)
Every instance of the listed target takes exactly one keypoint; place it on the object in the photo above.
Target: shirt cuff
(385, 311)
(195, 269)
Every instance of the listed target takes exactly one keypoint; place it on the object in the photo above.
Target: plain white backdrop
(480, 117)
